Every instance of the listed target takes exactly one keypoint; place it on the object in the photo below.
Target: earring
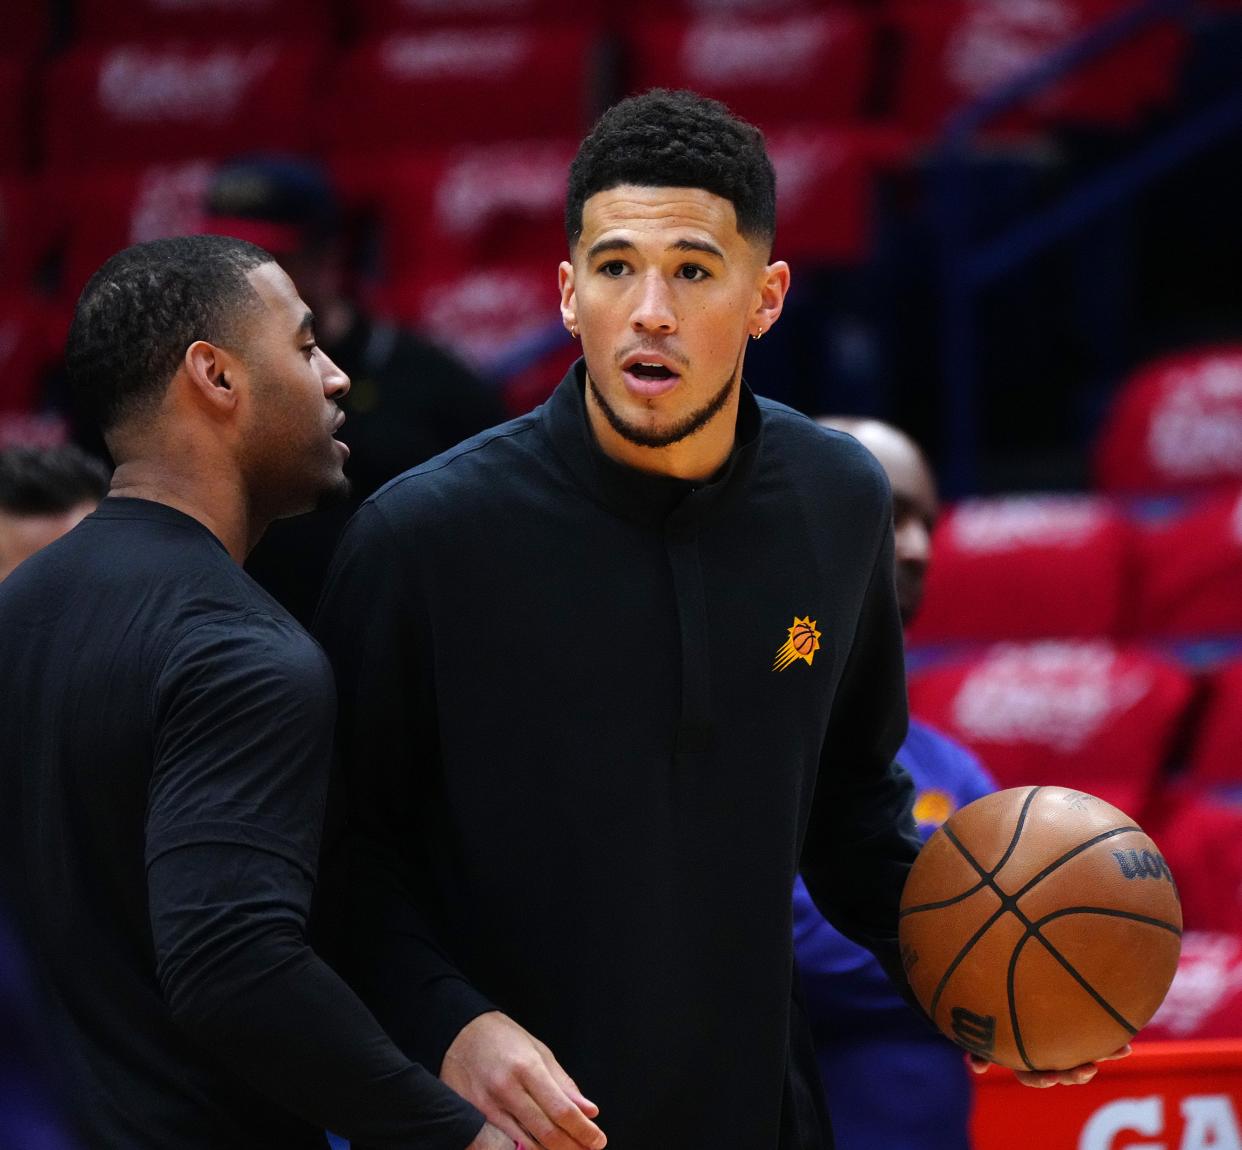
(757, 335)
(573, 331)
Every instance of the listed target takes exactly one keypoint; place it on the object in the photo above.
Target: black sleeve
(371, 621)
(243, 714)
(862, 838)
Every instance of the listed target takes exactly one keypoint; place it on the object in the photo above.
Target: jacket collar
(679, 505)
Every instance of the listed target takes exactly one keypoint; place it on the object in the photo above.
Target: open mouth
(651, 371)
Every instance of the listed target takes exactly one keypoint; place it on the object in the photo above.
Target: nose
(335, 381)
(912, 541)
(653, 310)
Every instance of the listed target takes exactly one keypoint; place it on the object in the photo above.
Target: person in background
(409, 399)
(44, 491)
(892, 1081)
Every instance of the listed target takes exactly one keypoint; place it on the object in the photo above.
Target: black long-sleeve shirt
(163, 767)
(580, 786)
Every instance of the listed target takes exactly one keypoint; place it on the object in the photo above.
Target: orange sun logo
(802, 643)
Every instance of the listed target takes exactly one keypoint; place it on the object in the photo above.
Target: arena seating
(1215, 758)
(955, 50)
(1175, 425)
(384, 17)
(16, 80)
(810, 68)
(1089, 715)
(1205, 1000)
(139, 103)
(28, 227)
(31, 336)
(113, 21)
(1190, 572)
(459, 85)
(1027, 567)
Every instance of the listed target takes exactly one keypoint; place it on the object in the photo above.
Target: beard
(682, 429)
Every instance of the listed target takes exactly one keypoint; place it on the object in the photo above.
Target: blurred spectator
(410, 400)
(44, 491)
(892, 1081)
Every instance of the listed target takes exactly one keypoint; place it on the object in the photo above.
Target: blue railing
(967, 266)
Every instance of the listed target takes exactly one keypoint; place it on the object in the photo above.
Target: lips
(336, 426)
(648, 376)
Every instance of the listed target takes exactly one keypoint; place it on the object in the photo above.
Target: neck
(218, 504)
(696, 458)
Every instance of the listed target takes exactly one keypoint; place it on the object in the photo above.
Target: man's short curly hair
(676, 139)
(144, 307)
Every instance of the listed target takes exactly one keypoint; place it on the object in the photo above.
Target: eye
(308, 349)
(694, 273)
(613, 269)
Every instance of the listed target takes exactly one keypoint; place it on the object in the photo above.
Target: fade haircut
(144, 307)
(676, 139)
(50, 480)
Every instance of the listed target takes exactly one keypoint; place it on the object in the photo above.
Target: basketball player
(165, 744)
(610, 674)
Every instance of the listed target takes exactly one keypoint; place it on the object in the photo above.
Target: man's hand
(490, 1138)
(1042, 1079)
(520, 1087)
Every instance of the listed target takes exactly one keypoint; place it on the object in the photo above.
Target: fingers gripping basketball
(1040, 928)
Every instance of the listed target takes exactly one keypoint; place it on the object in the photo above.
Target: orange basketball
(803, 638)
(1040, 928)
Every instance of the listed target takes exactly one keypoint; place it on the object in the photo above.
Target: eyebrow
(307, 324)
(620, 245)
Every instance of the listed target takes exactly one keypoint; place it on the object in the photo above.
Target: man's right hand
(520, 1087)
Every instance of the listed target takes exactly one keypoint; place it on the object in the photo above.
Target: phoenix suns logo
(802, 644)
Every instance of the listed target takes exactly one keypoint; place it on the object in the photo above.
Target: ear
(212, 374)
(772, 289)
(569, 306)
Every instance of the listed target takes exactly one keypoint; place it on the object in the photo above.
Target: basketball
(1040, 928)
(804, 638)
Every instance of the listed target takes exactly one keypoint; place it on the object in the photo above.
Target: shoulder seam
(452, 457)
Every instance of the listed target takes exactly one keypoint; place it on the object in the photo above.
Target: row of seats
(151, 100)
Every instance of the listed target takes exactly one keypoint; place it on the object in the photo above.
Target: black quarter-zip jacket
(581, 776)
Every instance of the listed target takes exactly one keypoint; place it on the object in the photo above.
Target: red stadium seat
(29, 225)
(384, 17)
(1216, 756)
(954, 51)
(1175, 425)
(136, 103)
(27, 27)
(30, 342)
(114, 21)
(118, 207)
(481, 314)
(1086, 715)
(1026, 567)
(1190, 573)
(462, 85)
(1205, 1000)
(483, 203)
(16, 79)
(810, 68)
(1200, 835)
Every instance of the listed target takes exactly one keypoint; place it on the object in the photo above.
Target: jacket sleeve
(861, 839)
(243, 727)
(371, 621)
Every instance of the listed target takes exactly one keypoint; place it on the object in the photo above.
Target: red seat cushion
(139, 103)
(1026, 567)
(29, 226)
(955, 51)
(30, 343)
(383, 17)
(457, 85)
(1216, 756)
(1205, 1000)
(1190, 573)
(1087, 715)
(16, 83)
(1175, 425)
(801, 68)
(120, 20)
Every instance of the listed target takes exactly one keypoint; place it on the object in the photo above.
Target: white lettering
(1142, 1115)
(1196, 431)
(1211, 1124)
(983, 526)
(144, 86)
(727, 53)
(452, 55)
(482, 184)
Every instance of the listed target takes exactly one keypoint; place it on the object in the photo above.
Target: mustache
(664, 351)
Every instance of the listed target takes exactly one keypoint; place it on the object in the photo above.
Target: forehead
(635, 212)
(277, 294)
